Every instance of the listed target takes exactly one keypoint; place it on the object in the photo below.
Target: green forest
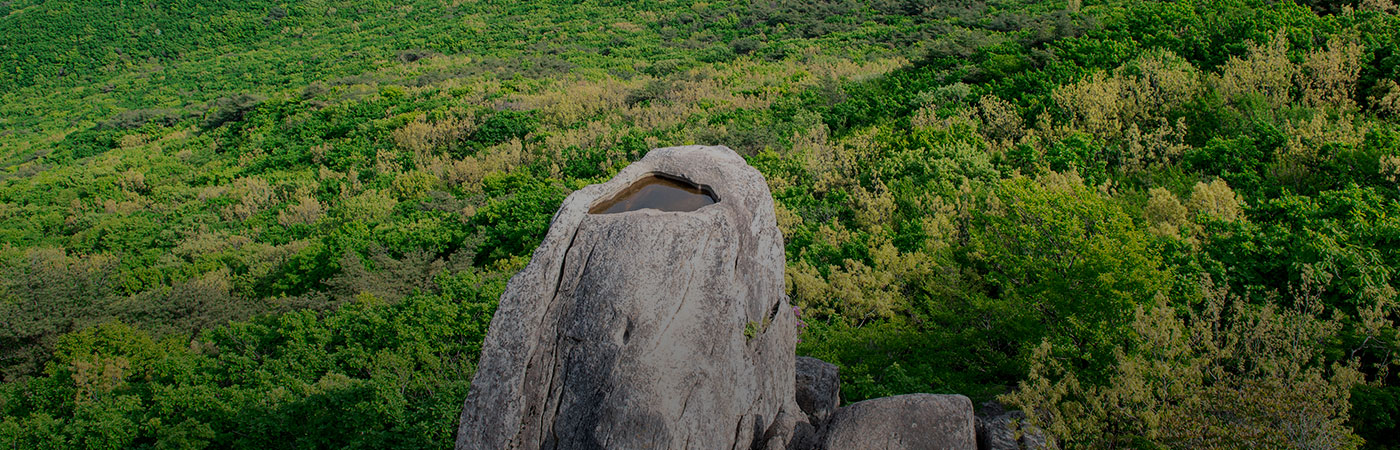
(259, 224)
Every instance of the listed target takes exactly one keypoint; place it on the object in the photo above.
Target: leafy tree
(1073, 257)
(515, 219)
(1225, 376)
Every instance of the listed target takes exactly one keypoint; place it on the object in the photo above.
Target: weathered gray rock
(999, 429)
(645, 329)
(790, 432)
(818, 389)
(912, 421)
(805, 437)
(996, 433)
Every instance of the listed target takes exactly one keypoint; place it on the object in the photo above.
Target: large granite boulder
(911, 421)
(645, 328)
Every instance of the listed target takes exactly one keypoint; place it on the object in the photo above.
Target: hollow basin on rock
(659, 192)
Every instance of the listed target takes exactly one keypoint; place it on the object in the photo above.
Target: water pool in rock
(658, 192)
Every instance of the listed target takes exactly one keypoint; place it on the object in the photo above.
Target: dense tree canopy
(254, 224)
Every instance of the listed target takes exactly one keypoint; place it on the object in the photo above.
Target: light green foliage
(753, 329)
(1070, 255)
(1228, 376)
(369, 206)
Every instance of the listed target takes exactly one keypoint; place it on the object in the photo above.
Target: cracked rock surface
(645, 329)
(818, 389)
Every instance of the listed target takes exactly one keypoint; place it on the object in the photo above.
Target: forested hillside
(286, 225)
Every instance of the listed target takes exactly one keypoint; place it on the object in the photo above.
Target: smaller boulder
(999, 429)
(912, 421)
(818, 389)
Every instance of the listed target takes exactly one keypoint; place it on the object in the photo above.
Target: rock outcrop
(653, 316)
(645, 328)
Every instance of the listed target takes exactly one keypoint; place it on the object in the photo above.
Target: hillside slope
(217, 218)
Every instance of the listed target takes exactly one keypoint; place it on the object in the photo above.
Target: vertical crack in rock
(564, 263)
(552, 311)
(738, 430)
(564, 317)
